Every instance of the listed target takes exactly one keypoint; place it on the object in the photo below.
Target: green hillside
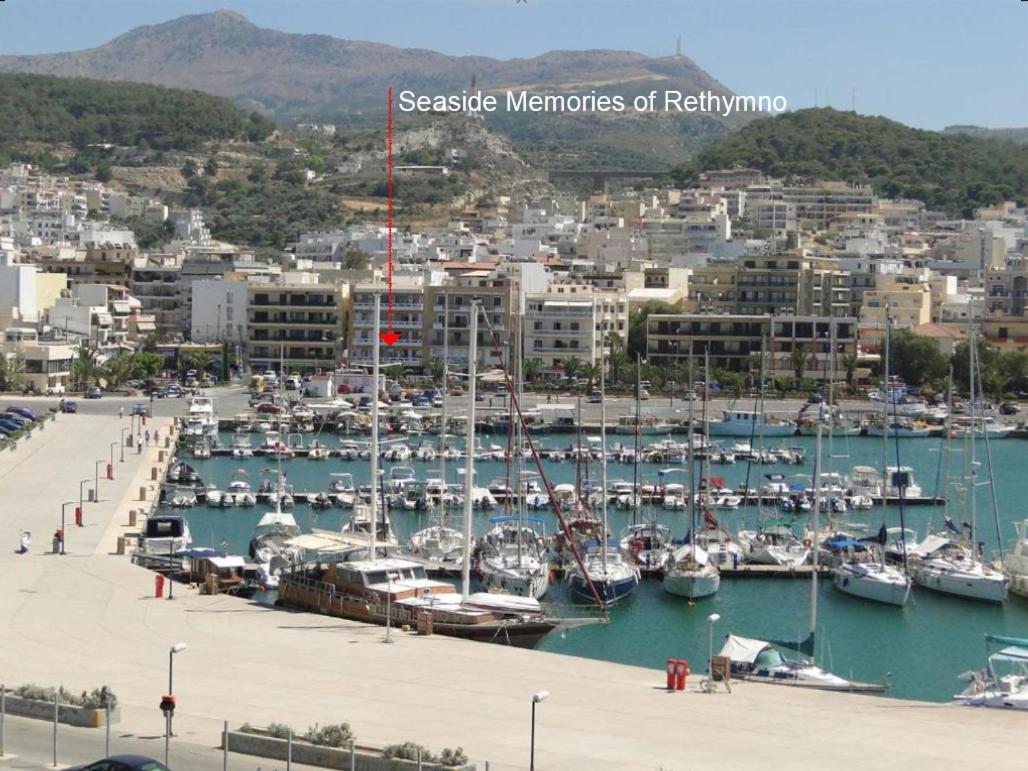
(951, 172)
(43, 108)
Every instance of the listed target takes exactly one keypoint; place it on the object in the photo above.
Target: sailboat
(603, 573)
(512, 555)
(959, 570)
(759, 661)
(691, 572)
(397, 591)
(1015, 562)
(875, 579)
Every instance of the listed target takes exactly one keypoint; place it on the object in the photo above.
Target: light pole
(123, 444)
(390, 577)
(113, 445)
(537, 697)
(176, 648)
(64, 507)
(96, 480)
(82, 510)
(712, 619)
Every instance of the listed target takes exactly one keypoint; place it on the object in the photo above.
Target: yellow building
(906, 298)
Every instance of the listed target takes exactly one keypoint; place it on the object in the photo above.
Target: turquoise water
(924, 645)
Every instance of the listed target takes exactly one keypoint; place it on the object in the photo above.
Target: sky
(926, 63)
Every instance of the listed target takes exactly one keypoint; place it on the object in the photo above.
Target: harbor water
(920, 648)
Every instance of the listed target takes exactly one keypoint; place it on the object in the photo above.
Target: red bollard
(682, 673)
(158, 586)
(670, 666)
(143, 416)
(78, 516)
(110, 471)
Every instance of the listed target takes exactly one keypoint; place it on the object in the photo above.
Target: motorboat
(691, 573)
(606, 571)
(901, 479)
(760, 662)
(269, 545)
(164, 536)
(901, 427)
(648, 545)
(1015, 562)
(746, 424)
(440, 544)
(201, 419)
(1003, 682)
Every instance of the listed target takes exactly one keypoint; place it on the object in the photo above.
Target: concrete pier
(89, 618)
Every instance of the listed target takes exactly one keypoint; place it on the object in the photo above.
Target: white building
(219, 311)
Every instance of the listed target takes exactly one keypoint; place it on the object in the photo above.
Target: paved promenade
(89, 618)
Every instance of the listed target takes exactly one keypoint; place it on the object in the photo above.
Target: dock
(751, 570)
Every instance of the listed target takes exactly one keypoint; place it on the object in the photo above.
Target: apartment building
(1006, 290)
(905, 297)
(219, 310)
(735, 342)
(408, 321)
(297, 321)
(44, 364)
(573, 321)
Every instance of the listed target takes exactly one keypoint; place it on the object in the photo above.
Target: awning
(226, 562)
(742, 649)
(146, 326)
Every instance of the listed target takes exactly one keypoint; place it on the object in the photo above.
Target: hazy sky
(927, 63)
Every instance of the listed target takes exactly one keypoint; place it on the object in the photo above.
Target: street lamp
(176, 648)
(82, 511)
(123, 444)
(96, 480)
(537, 697)
(390, 577)
(64, 507)
(712, 619)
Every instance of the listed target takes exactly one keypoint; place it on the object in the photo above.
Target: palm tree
(436, 370)
(799, 360)
(591, 373)
(86, 368)
(619, 362)
(571, 366)
(849, 362)
(532, 369)
(118, 369)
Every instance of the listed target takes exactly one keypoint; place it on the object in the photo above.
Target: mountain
(44, 108)
(951, 172)
(292, 77)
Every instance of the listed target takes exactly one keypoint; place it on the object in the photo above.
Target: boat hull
(873, 589)
(610, 590)
(960, 584)
(692, 584)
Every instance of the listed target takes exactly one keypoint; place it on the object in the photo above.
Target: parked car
(14, 417)
(9, 425)
(94, 392)
(25, 412)
(1009, 408)
(269, 408)
(344, 388)
(123, 763)
(69, 407)
(422, 403)
(55, 390)
(594, 397)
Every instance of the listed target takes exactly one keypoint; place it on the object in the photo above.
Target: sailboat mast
(690, 471)
(974, 461)
(815, 526)
(469, 461)
(637, 498)
(442, 412)
(603, 447)
(516, 424)
(376, 341)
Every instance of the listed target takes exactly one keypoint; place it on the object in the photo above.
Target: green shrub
(330, 735)
(409, 751)
(88, 699)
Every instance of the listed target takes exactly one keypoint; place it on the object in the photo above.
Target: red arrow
(389, 337)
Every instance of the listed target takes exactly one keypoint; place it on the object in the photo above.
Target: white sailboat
(691, 572)
(606, 572)
(961, 571)
(1015, 562)
(874, 579)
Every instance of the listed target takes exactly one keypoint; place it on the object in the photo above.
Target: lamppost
(113, 445)
(712, 619)
(96, 480)
(123, 444)
(82, 511)
(537, 697)
(64, 507)
(176, 648)
(390, 577)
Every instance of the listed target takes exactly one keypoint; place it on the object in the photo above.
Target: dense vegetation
(43, 108)
(262, 210)
(951, 172)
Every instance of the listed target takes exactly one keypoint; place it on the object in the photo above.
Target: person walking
(139, 445)
(156, 437)
(147, 435)
(121, 413)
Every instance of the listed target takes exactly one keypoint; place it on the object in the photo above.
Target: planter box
(365, 758)
(44, 710)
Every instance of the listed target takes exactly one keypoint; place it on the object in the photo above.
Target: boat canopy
(1020, 642)
(509, 519)
(743, 649)
(1013, 653)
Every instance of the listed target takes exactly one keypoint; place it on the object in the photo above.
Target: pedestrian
(25, 542)
(121, 412)
(139, 445)
(156, 437)
(147, 435)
